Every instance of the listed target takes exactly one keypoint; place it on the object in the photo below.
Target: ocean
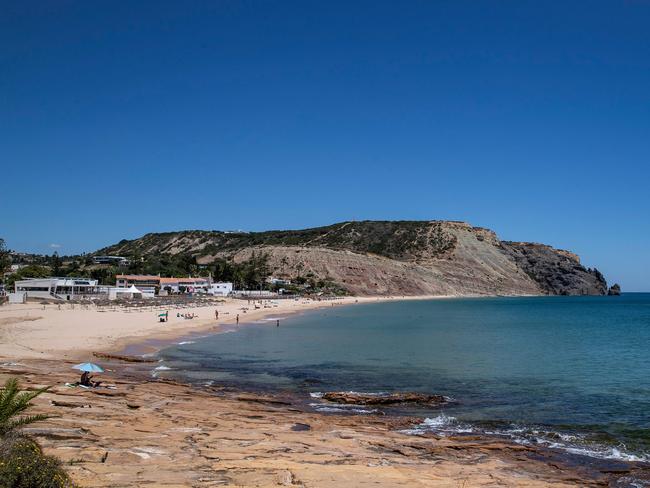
(571, 373)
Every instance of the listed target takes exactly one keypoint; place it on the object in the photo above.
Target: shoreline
(303, 398)
(170, 434)
(155, 343)
(147, 426)
(144, 431)
(152, 344)
(76, 331)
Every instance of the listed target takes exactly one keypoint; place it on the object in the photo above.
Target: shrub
(23, 465)
(22, 462)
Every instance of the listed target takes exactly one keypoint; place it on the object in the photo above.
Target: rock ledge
(387, 399)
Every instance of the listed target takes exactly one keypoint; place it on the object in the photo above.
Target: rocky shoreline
(147, 431)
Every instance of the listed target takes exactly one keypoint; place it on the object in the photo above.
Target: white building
(221, 289)
(117, 260)
(57, 288)
(185, 285)
(157, 284)
(278, 281)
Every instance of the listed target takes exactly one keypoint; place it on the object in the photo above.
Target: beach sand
(151, 432)
(52, 331)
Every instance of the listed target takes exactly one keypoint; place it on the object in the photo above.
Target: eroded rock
(614, 290)
(387, 399)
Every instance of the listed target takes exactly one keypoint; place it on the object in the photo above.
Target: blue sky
(530, 118)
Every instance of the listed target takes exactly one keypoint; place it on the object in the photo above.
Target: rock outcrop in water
(387, 399)
(556, 271)
(387, 258)
(614, 290)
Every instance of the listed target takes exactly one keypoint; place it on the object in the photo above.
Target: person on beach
(86, 380)
(277, 323)
(237, 319)
(216, 314)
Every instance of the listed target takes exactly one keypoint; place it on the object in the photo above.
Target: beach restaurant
(57, 288)
(156, 284)
(189, 285)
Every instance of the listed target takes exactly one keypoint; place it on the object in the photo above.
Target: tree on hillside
(73, 268)
(106, 276)
(135, 263)
(31, 271)
(55, 264)
(249, 274)
(223, 270)
(5, 258)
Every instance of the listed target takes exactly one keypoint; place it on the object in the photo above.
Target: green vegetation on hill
(31, 271)
(5, 259)
(392, 239)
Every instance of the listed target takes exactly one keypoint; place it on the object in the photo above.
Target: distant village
(126, 286)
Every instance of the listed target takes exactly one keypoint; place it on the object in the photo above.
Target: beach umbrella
(89, 368)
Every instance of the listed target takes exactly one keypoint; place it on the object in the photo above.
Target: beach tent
(132, 292)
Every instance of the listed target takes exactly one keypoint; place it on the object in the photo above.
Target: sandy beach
(72, 331)
(145, 431)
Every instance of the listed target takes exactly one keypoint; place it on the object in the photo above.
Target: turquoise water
(565, 372)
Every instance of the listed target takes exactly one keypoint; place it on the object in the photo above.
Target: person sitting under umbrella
(86, 377)
(86, 380)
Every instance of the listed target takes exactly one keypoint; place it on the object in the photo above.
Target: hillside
(388, 257)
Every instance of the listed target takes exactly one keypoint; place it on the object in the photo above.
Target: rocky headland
(371, 258)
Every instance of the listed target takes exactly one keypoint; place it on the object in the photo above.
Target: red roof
(186, 280)
(137, 277)
(159, 279)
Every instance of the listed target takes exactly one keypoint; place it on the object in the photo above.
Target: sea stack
(614, 290)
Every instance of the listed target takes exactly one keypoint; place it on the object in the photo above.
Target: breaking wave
(573, 443)
(342, 408)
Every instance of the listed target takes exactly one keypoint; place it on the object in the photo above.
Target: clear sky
(530, 118)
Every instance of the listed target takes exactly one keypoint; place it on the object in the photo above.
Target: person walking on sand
(216, 314)
(237, 319)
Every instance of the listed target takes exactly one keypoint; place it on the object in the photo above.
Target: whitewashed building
(185, 285)
(157, 284)
(220, 289)
(57, 288)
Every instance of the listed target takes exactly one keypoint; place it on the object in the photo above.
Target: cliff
(389, 258)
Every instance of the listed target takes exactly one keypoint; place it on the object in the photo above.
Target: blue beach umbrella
(89, 368)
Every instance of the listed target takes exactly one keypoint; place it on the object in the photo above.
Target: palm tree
(13, 403)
